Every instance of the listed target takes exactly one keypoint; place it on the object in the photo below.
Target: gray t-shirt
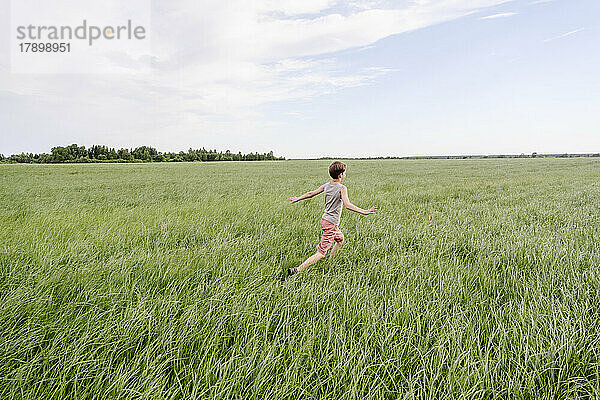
(333, 202)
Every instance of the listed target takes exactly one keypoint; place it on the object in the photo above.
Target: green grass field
(475, 279)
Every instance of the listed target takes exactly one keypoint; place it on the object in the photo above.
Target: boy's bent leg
(326, 239)
(310, 261)
(339, 242)
(336, 247)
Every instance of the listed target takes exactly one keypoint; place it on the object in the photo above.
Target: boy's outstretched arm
(307, 195)
(352, 207)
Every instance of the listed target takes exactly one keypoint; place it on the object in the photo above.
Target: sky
(333, 78)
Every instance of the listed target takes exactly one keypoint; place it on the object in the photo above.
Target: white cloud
(501, 15)
(215, 62)
(564, 35)
(295, 7)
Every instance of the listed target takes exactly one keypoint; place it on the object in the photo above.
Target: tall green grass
(475, 279)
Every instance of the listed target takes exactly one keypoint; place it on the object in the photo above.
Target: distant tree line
(100, 153)
(476, 156)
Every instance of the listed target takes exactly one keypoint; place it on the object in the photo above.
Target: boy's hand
(370, 210)
(292, 199)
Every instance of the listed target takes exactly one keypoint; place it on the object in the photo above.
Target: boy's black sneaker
(292, 271)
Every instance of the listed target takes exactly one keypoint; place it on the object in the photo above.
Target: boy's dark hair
(336, 168)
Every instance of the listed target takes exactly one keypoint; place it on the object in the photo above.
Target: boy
(335, 195)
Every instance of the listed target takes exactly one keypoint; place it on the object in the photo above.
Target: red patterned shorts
(331, 232)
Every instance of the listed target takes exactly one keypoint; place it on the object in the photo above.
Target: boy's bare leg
(336, 247)
(310, 261)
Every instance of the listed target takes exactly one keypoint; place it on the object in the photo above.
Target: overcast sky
(324, 77)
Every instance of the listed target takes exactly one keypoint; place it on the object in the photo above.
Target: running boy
(335, 195)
